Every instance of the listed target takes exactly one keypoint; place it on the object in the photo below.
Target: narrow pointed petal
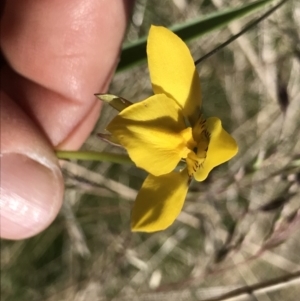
(172, 70)
(222, 147)
(109, 138)
(159, 202)
(150, 132)
(117, 102)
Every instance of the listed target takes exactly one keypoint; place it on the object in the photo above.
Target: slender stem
(245, 29)
(262, 287)
(93, 156)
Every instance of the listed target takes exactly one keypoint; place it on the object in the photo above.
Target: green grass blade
(135, 52)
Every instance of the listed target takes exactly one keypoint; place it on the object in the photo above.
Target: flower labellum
(166, 128)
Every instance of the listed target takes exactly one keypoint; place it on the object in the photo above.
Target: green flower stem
(94, 156)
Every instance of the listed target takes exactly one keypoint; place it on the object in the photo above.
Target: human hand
(57, 55)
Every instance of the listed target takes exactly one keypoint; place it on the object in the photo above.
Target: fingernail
(31, 196)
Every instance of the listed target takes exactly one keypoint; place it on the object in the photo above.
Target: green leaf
(135, 52)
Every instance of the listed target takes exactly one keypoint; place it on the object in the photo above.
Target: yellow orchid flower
(166, 128)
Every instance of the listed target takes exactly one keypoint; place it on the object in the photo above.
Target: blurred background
(238, 228)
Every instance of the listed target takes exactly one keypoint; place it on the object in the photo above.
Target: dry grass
(239, 228)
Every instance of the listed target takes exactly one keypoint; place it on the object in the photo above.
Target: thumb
(31, 181)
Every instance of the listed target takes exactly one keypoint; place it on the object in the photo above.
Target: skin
(54, 56)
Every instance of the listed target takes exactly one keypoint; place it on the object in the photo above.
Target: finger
(63, 52)
(58, 117)
(31, 181)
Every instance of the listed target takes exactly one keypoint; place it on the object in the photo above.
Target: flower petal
(150, 132)
(222, 147)
(159, 201)
(172, 70)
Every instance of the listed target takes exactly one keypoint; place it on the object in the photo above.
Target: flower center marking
(197, 155)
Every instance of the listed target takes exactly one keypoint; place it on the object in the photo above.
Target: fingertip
(31, 196)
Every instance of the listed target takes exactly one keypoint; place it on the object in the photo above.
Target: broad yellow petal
(222, 147)
(172, 70)
(150, 132)
(159, 201)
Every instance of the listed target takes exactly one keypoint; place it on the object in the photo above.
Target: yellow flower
(166, 128)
